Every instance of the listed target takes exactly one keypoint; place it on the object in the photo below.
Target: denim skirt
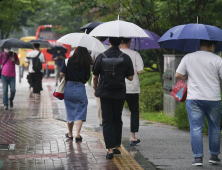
(76, 101)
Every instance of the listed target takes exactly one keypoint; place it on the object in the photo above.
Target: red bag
(180, 91)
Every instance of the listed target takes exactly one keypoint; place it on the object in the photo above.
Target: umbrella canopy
(118, 28)
(57, 47)
(187, 37)
(143, 43)
(90, 26)
(43, 43)
(15, 43)
(83, 40)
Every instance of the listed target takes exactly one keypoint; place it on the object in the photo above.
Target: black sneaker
(11, 103)
(6, 107)
(198, 161)
(214, 159)
(116, 151)
(109, 156)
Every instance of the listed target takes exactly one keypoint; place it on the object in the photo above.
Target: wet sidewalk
(35, 130)
(33, 139)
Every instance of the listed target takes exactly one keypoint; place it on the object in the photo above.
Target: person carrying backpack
(35, 59)
(112, 67)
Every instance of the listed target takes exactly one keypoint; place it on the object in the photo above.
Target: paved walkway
(37, 129)
(36, 140)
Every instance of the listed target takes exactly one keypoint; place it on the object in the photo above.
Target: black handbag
(3, 66)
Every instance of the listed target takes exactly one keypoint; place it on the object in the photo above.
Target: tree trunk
(160, 60)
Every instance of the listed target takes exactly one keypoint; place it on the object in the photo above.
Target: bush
(182, 120)
(151, 98)
(149, 78)
(182, 117)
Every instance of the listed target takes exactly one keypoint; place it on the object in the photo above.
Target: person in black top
(112, 99)
(58, 57)
(76, 74)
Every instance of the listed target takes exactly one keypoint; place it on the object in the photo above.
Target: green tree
(57, 12)
(154, 15)
(11, 17)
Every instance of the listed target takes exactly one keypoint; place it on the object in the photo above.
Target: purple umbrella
(143, 43)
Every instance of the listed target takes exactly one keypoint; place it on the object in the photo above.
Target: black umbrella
(57, 47)
(15, 43)
(43, 43)
(90, 26)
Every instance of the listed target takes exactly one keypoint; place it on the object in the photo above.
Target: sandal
(133, 143)
(79, 139)
(116, 151)
(67, 135)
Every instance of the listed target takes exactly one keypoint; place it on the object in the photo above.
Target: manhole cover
(7, 146)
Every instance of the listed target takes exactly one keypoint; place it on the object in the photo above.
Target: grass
(159, 117)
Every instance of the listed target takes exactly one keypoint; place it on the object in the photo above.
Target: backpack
(36, 63)
(113, 72)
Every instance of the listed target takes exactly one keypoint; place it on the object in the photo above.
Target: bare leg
(31, 92)
(70, 127)
(110, 150)
(133, 136)
(78, 127)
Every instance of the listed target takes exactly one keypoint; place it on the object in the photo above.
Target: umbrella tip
(197, 19)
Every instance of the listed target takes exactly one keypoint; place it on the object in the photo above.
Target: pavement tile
(36, 137)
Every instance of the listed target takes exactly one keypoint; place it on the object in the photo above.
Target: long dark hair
(81, 58)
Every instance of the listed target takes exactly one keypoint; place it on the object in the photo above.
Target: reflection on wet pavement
(41, 144)
(136, 155)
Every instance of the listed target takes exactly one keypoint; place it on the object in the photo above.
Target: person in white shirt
(35, 77)
(133, 88)
(94, 56)
(72, 52)
(203, 71)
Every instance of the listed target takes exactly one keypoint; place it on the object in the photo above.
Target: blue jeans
(5, 82)
(196, 110)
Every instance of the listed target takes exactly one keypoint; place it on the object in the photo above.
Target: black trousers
(36, 81)
(112, 121)
(133, 103)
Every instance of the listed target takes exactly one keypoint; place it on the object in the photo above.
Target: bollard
(47, 71)
(19, 74)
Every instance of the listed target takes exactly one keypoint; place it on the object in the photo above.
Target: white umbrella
(83, 40)
(118, 28)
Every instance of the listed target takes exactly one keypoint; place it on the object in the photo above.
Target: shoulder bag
(59, 91)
